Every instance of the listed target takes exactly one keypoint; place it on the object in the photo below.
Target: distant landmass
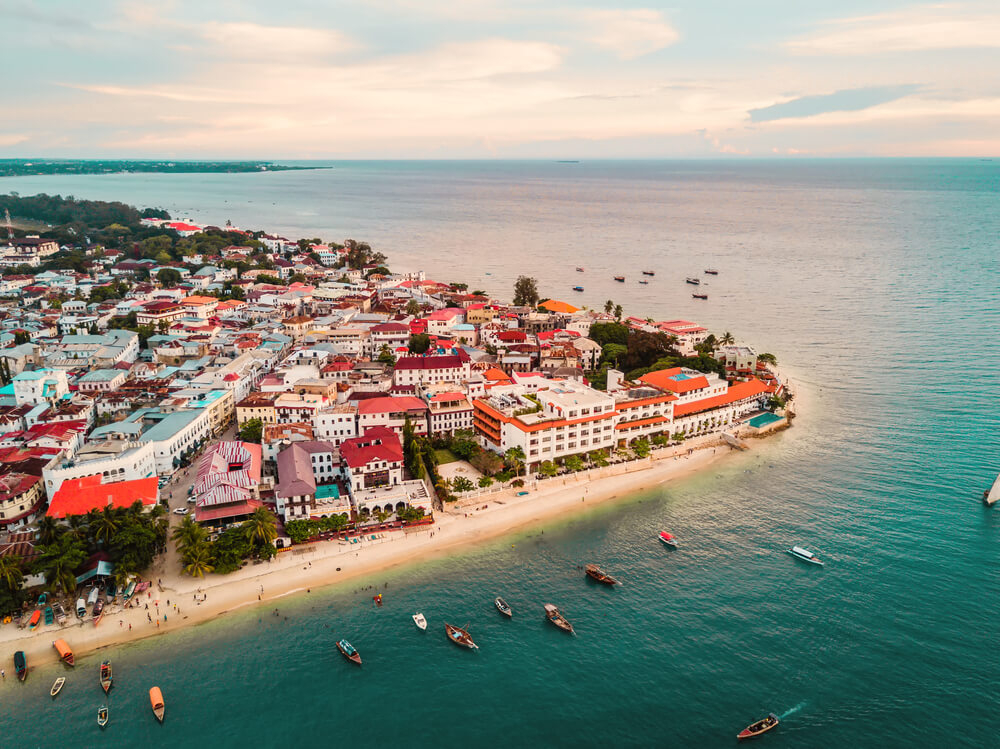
(34, 167)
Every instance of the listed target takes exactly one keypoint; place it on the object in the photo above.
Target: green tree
(487, 462)
(252, 431)
(105, 524)
(261, 526)
(485, 482)
(768, 359)
(548, 469)
(514, 458)
(21, 336)
(412, 308)
(385, 355)
(604, 333)
(599, 458)
(613, 353)
(727, 339)
(198, 562)
(59, 560)
(419, 343)
(48, 529)
(461, 484)
(641, 448)
(11, 574)
(168, 276)
(619, 312)
(574, 463)
(525, 292)
(609, 307)
(464, 445)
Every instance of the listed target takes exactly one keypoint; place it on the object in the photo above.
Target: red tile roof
(80, 496)
(376, 444)
(389, 404)
(737, 392)
(664, 379)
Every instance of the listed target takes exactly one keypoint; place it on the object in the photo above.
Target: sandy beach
(175, 601)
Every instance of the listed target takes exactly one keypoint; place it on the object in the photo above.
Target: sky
(427, 79)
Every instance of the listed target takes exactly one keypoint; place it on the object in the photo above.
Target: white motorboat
(805, 555)
(420, 621)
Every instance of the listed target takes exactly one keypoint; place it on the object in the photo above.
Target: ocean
(877, 285)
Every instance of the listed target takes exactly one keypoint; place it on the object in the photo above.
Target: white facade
(121, 462)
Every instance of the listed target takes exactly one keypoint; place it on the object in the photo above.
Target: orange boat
(65, 652)
(156, 702)
(35, 618)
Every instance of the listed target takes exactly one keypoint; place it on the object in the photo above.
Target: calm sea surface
(876, 282)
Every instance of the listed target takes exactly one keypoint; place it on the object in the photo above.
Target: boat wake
(792, 711)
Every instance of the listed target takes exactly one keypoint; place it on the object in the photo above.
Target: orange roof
(80, 496)
(495, 375)
(641, 422)
(198, 300)
(736, 392)
(540, 426)
(674, 381)
(554, 305)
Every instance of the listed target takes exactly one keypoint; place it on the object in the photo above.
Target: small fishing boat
(81, 608)
(57, 686)
(35, 620)
(648, 273)
(668, 540)
(577, 288)
(596, 573)
(805, 555)
(60, 613)
(156, 703)
(692, 280)
(50, 615)
(579, 270)
(377, 599)
(553, 615)
(93, 595)
(460, 636)
(65, 652)
(348, 651)
(98, 611)
(420, 621)
(129, 590)
(21, 665)
(645, 283)
(711, 271)
(756, 729)
(992, 495)
(106, 677)
(620, 279)
(503, 608)
(102, 716)
(700, 296)
(43, 599)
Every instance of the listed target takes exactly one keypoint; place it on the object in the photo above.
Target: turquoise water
(876, 283)
(763, 420)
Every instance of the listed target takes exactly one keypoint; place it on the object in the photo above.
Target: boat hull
(808, 560)
(599, 576)
(503, 608)
(354, 657)
(669, 543)
(21, 665)
(460, 637)
(757, 729)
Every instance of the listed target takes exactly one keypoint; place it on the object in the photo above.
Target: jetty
(735, 442)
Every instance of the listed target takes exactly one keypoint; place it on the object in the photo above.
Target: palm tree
(59, 561)
(188, 534)
(515, 456)
(78, 525)
(619, 312)
(48, 529)
(727, 339)
(10, 572)
(198, 561)
(609, 307)
(260, 526)
(105, 524)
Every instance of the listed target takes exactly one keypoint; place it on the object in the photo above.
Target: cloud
(932, 27)
(629, 33)
(845, 100)
(253, 41)
(12, 139)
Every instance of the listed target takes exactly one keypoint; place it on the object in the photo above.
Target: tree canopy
(525, 292)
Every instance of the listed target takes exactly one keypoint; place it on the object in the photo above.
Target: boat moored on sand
(668, 540)
(98, 611)
(756, 729)
(460, 636)
(65, 652)
(553, 615)
(503, 608)
(348, 651)
(21, 665)
(596, 573)
(805, 555)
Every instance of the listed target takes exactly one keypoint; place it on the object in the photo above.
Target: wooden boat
(577, 288)
(700, 296)
(43, 599)
(646, 283)
(756, 729)
(579, 270)
(460, 636)
(21, 665)
(420, 621)
(503, 608)
(620, 279)
(57, 686)
(98, 611)
(35, 620)
(50, 615)
(106, 677)
(60, 613)
(992, 495)
(348, 651)
(596, 573)
(129, 590)
(156, 703)
(553, 615)
(805, 555)
(667, 540)
(692, 280)
(102, 716)
(648, 273)
(711, 271)
(81, 608)
(65, 652)
(93, 595)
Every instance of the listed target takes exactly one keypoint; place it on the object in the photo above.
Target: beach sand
(312, 566)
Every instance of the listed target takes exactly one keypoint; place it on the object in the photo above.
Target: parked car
(181, 511)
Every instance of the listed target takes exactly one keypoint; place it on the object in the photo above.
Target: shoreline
(330, 563)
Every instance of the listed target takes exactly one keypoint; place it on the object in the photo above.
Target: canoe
(503, 608)
(553, 615)
(102, 716)
(36, 618)
(106, 676)
(65, 652)
(420, 621)
(348, 651)
(156, 703)
(668, 540)
(57, 686)
(460, 636)
(596, 573)
(21, 665)
(756, 729)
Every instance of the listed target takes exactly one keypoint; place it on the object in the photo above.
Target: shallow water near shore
(877, 284)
